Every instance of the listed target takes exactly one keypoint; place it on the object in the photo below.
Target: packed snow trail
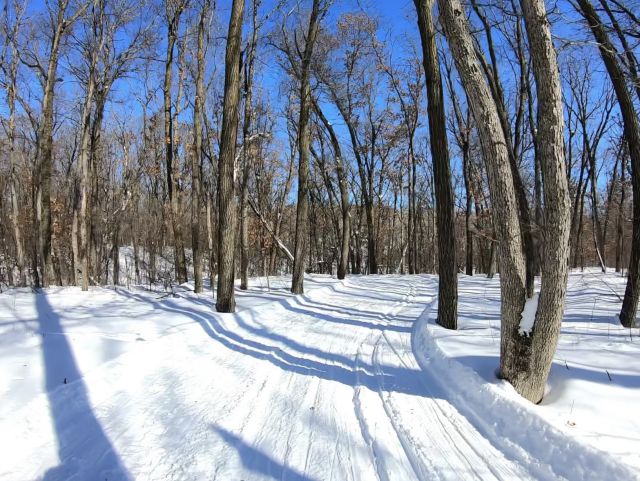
(316, 387)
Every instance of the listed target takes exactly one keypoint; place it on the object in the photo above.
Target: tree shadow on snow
(84, 450)
(290, 355)
(258, 462)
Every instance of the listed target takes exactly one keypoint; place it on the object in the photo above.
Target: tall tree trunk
(45, 156)
(528, 364)
(304, 139)
(85, 184)
(247, 152)
(493, 76)
(632, 137)
(620, 221)
(496, 157)
(225, 300)
(13, 174)
(196, 160)
(173, 23)
(447, 268)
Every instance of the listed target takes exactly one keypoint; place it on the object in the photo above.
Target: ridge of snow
(519, 431)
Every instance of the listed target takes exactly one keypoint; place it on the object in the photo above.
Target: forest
(212, 146)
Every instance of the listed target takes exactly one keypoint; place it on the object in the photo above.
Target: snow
(585, 426)
(529, 315)
(342, 383)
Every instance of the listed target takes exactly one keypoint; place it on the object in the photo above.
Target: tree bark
(632, 137)
(496, 156)
(247, 153)
(225, 301)
(196, 160)
(173, 23)
(529, 362)
(447, 268)
(304, 139)
(13, 174)
(44, 155)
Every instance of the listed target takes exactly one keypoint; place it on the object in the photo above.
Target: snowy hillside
(339, 384)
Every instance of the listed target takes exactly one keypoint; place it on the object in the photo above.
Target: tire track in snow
(463, 459)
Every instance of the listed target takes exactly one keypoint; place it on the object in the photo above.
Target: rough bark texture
(85, 175)
(196, 194)
(447, 268)
(11, 135)
(496, 156)
(44, 164)
(173, 22)
(304, 140)
(632, 137)
(225, 301)
(247, 153)
(526, 365)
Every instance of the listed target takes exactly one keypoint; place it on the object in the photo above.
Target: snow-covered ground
(339, 384)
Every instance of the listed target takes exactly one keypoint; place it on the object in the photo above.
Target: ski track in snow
(317, 387)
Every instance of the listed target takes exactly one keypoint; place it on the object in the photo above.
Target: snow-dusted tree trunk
(447, 267)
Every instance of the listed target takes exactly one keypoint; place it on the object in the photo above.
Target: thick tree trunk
(304, 139)
(447, 268)
(44, 164)
(496, 156)
(225, 301)
(632, 137)
(528, 362)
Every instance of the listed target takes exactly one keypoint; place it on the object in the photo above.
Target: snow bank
(543, 437)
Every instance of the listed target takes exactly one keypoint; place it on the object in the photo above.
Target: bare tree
(225, 301)
(447, 267)
(61, 22)
(197, 198)
(318, 10)
(632, 137)
(10, 70)
(173, 12)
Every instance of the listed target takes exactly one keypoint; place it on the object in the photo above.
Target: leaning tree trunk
(526, 365)
(496, 156)
(304, 139)
(447, 268)
(632, 136)
(225, 301)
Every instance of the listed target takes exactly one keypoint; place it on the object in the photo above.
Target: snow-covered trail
(316, 387)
